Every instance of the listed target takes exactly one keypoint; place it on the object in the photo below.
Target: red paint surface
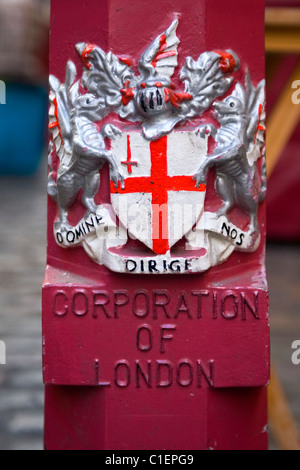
(175, 417)
(158, 183)
(223, 420)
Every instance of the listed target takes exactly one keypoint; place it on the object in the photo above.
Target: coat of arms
(160, 148)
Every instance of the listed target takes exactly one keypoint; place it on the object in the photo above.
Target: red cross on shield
(160, 202)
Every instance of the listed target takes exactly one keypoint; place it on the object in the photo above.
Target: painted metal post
(155, 302)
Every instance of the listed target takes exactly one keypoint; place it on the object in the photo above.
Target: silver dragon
(79, 145)
(241, 119)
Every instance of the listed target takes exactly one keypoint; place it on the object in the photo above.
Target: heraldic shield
(159, 202)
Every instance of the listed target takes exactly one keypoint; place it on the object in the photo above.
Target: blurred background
(23, 167)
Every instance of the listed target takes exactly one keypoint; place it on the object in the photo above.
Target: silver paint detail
(79, 145)
(241, 116)
(204, 81)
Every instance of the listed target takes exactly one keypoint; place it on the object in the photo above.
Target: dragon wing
(255, 111)
(206, 79)
(111, 79)
(59, 114)
(255, 114)
(161, 57)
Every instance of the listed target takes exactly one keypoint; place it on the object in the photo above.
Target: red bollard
(155, 301)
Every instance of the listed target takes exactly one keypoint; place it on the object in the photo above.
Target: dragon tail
(263, 188)
(51, 186)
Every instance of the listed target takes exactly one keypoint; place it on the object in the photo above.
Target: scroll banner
(210, 243)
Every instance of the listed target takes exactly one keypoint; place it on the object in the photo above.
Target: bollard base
(93, 419)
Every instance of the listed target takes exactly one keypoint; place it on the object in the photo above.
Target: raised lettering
(253, 309)
(242, 236)
(226, 228)
(122, 374)
(121, 298)
(70, 237)
(141, 374)
(101, 299)
(199, 294)
(141, 304)
(99, 220)
(187, 265)
(184, 373)
(161, 299)
(99, 382)
(80, 304)
(90, 225)
(152, 267)
(79, 233)
(233, 234)
(231, 312)
(208, 375)
(144, 340)
(182, 306)
(175, 266)
(59, 238)
(130, 266)
(165, 337)
(164, 374)
(60, 304)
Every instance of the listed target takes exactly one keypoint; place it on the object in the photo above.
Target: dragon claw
(204, 131)
(199, 178)
(111, 131)
(118, 179)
